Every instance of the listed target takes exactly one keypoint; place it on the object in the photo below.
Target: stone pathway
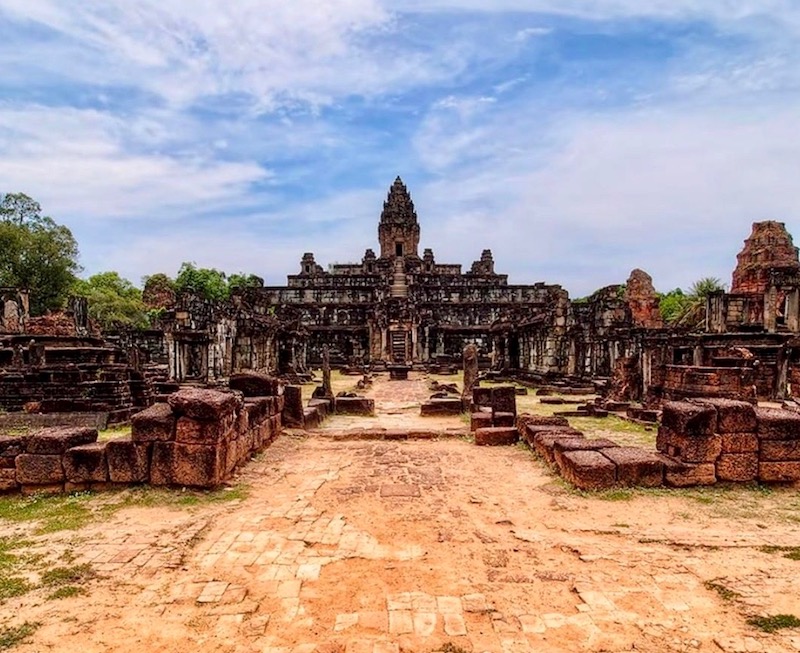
(361, 546)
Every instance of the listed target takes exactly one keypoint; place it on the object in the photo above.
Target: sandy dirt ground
(355, 546)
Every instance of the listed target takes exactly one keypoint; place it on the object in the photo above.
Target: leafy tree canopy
(114, 302)
(208, 283)
(36, 253)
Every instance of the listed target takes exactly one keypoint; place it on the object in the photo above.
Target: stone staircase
(399, 281)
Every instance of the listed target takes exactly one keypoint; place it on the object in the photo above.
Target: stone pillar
(35, 354)
(771, 310)
(326, 372)
(697, 357)
(470, 373)
(793, 310)
(293, 405)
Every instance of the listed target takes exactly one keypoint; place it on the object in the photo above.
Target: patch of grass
(11, 586)
(790, 552)
(150, 496)
(614, 494)
(620, 525)
(774, 622)
(10, 636)
(725, 593)
(66, 592)
(116, 431)
(55, 513)
(67, 575)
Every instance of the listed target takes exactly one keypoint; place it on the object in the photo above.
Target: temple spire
(399, 207)
(398, 230)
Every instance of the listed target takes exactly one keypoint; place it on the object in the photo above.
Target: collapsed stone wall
(196, 439)
(700, 442)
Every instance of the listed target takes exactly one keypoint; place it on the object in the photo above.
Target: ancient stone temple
(400, 307)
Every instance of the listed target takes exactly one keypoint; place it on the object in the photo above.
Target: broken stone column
(470, 373)
(293, 407)
(325, 391)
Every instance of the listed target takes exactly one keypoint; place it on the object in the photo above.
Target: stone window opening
(398, 249)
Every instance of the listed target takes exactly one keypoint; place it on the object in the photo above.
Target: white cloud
(80, 163)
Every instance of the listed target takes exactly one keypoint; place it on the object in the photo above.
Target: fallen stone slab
(86, 463)
(500, 419)
(544, 441)
(154, 423)
(57, 439)
(13, 445)
(564, 444)
(588, 470)
(189, 430)
(496, 436)
(439, 407)
(201, 403)
(8, 480)
(636, 467)
(354, 406)
(312, 417)
(689, 449)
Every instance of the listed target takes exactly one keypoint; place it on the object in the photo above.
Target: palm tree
(693, 314)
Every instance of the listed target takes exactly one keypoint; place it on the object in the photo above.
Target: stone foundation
(196, 439)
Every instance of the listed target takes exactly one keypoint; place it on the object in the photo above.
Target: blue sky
(577, 139)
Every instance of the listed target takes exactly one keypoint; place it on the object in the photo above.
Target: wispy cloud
(576, 138)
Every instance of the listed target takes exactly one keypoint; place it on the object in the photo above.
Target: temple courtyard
(347, 539)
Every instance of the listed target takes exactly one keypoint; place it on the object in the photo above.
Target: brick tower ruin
(769, 248)
(398, 232)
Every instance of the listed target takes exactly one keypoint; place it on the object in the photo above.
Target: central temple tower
(398, 231)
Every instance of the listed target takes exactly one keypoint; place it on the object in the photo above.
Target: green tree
(672, 304)
(114, 302)
(690, 311)
(36, 253)
(208, 283)
(241, 280)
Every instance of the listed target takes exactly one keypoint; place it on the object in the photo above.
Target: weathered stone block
(312, 417)
(526, 419)
(86, 463)
(13, 445)
(278, 405)
(779, 472)
(681, 474)
(439, 407)
(496, 436)
(544, 441)
(257, 409)
(732, 416)
(740, 467)
(50, 488)
(739, 443)
(204, 431)
(563, 444)
(504, 420)
(354, 406)
(780, 450)
(690, 449)
(480, 421)
(588, 470)
(322, 405)
(34, 469)
(128, 461)
(293, 407)
(8, 480)
(504, 400)
(153, 424)
(777, 424)
(481, 397)
(193, 465)
(204, 404)
(57, 439)
(686, 418)
(253, 384)
(636, 467)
